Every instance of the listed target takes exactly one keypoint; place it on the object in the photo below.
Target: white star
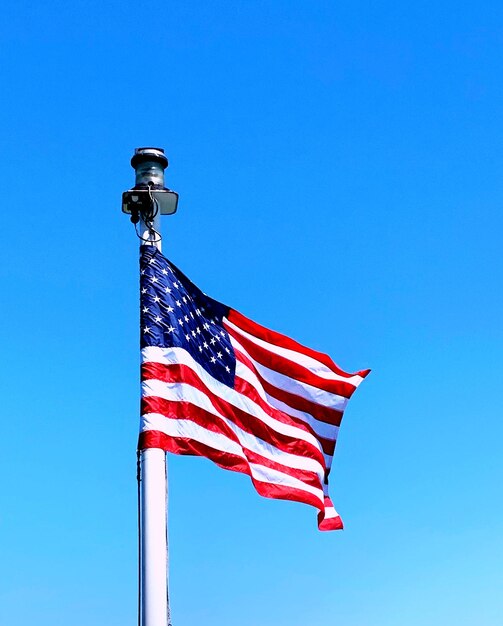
(142, 272)
(170, 309)
(178, 303)
(154, 279)
(184, 299)
(200, 348)
(187, 337)
(198, 330)
(191, 314)
(212, 341)
(146, 329)
(157, 299)
(164, 271)
(180, 321)
(175, 285)
(158, 319)
(213, 360)
(145, 309)
(144, 290)
(198, 312)
(222, 333)
(193, 333)
(217, 337)
(219, 355)
(167, 289)
(227, 368)
(205, 344)
(227, 350)
(171, 329)
(151, 261)
(186, 318)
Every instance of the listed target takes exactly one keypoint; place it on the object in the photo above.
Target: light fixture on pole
(149, 165)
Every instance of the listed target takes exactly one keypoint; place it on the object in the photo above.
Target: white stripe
(182, 392)
(313, 394)
(268, 475)
(171, 356)
(330, 512)
(316, 367)
(190, 430)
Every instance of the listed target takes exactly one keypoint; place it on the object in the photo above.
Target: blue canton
(175, 313)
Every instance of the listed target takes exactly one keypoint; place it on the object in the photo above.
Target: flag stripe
(265, 470)
(322, 413)
(208, 417)
(297, 363)
(226, 460)
(206, 400)
(303, 359)
(167, 373)
(279, 366)
(152, 438)
(326, 433)
(243, 410)
(292, 385)
(274, 338)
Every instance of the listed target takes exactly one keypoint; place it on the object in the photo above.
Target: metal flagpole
(146, 202)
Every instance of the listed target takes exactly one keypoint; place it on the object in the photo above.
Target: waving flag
(218, 385)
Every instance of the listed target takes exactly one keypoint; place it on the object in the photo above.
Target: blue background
(340, 174)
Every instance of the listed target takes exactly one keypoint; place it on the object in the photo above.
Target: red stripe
(320, 412)
(293, 370)
(181, 445)
(278, 339)
(183, 373)
(331, 523)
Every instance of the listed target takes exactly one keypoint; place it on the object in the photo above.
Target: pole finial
(149, 154)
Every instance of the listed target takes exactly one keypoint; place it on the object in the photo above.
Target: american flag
(219, 385)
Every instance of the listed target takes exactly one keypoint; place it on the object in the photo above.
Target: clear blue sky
(340, 170)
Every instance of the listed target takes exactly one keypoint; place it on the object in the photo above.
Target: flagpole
(154, 600)
(149, 164)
